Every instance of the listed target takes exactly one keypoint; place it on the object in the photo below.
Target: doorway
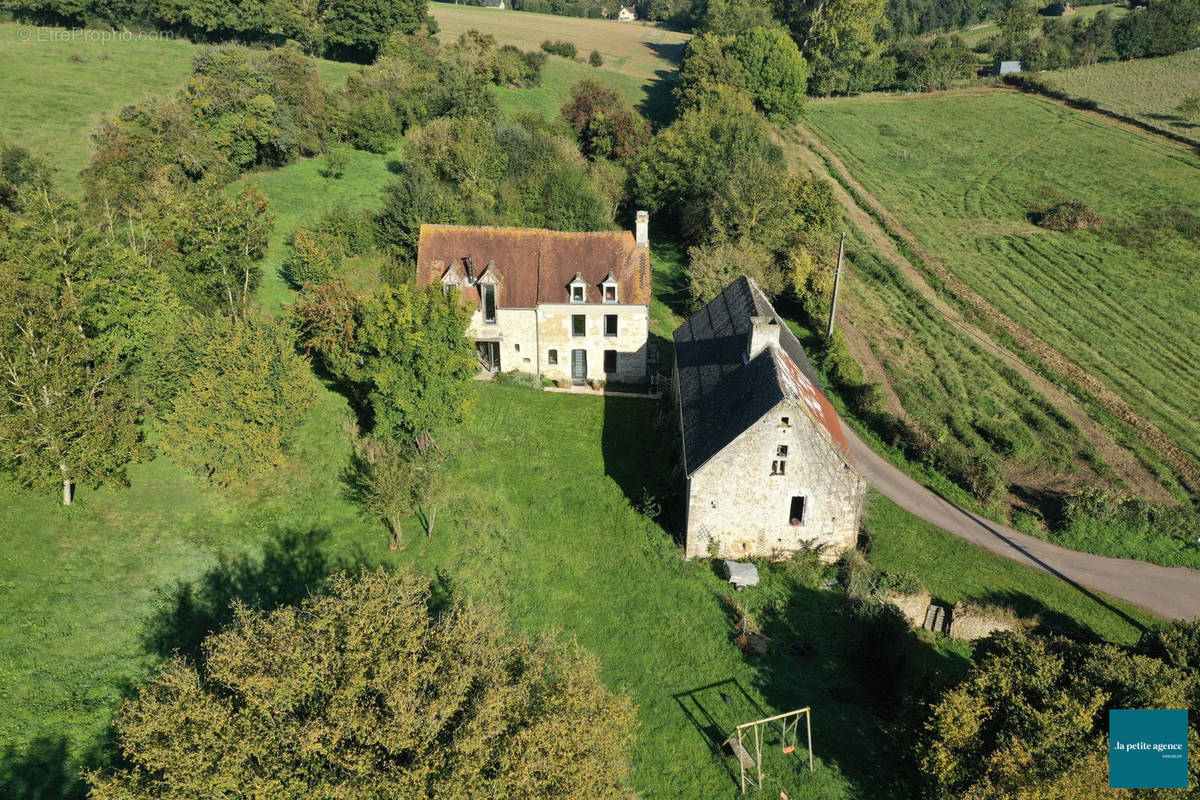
(489, 356)
(579, 366)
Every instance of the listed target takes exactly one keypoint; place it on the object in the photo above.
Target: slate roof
(721, 395)
(534, 265)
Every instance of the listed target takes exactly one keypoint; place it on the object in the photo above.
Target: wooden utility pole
(837, 280)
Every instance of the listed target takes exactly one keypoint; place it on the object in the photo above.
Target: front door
(489, 356)
(579, 366)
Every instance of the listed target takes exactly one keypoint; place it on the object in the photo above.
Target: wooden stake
(837, 280)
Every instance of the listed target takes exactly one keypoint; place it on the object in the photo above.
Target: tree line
(348, 30)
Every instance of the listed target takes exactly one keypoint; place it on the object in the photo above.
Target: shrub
(976, 471)
(335, 163)
(315, 257)
(515, 377)
(560, 48)
(595, 59)
(353, 229)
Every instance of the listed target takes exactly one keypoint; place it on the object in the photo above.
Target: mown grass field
(640, 59)
(949, 384)
(963, 172)
(53, 93)
(1148, 90)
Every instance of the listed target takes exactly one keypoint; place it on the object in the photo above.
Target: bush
(335, 163)
(560, 48)
(515, 377)
(353, 229)
(315, 258)
(976, 471)
(595, 59)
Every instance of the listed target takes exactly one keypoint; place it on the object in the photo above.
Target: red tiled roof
(534, 265)
(797, 386)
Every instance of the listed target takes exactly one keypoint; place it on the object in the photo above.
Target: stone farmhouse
(567, 306)
(627, 14)
(767, 465)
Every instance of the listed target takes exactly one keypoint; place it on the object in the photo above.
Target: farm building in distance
(767, 465)
(627, 14)
(567, 306)
(1058, 10)
(1006, 67)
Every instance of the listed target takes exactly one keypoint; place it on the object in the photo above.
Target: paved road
(1172, 592)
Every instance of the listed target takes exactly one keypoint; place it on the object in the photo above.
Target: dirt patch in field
(802, 144)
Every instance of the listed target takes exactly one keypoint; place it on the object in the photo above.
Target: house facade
(567, 306)
(767, 465)
(627, 14)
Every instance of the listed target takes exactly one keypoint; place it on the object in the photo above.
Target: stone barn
(767, 465)
(568, 306)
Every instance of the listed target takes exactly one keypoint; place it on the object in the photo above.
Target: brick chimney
(642, 230)
(764, 332)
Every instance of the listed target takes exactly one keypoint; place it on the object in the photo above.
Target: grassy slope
(53, 94)
(977, 33)
(963, 171)
(1148, 89)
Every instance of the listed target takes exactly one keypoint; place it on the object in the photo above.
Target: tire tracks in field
(803, 145)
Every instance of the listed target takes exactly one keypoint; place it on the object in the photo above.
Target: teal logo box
(1147, 749)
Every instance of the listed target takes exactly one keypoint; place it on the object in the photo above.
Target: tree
(356, 29)
(326, 320)
(365, 692)
(1030, 720)
(249, 392)
(712, 267)
(383, 478)
(1133, 36)
(836, 37)
(732, 17)
(935, 65)
(776, 73)
(315, 257)
(66, 416)
(605, 125)
(679, 171)
(223, 238)
(417, 361)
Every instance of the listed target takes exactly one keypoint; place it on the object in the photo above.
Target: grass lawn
(964, 171)
(541, 523)
(1148, 89)
(54, 93)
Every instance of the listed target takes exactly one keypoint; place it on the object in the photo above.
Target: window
(552, 357)
(796, 513)
(516, 347)
(610, 360)
(576, 293)
(610, 324)
(781, 450)
(610, 293)
(446, 287)
(785, 423)
(489, 302)
(778, 467)
(578, 325)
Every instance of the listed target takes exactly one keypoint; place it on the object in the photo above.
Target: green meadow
(966, 173)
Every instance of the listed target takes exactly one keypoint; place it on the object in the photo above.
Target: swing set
(750, 764)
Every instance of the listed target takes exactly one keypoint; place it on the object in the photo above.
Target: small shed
(1007, 67)
(741, 574)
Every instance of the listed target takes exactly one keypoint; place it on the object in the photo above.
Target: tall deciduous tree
(65, 412)
(416, 360)
(606, 126)
(776, 73)
(366, 693)
(836, 37)
(249, 392)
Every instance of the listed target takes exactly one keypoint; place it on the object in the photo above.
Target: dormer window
(487, 292)
(609, 289)
(578, 289)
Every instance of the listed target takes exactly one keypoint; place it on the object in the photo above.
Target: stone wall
(633, 331)
(735, 501)
(516, 330)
